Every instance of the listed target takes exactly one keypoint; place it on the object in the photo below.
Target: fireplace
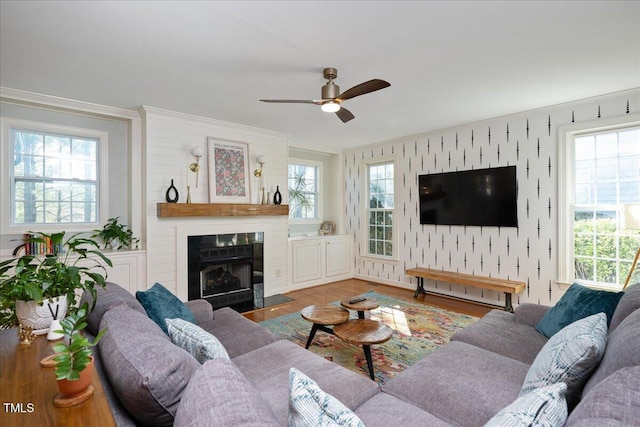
(227, 270)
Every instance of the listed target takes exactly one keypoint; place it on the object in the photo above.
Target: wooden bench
(509, 287)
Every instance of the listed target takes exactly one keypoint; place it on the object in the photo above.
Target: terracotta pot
(38, 316)
(72, 388)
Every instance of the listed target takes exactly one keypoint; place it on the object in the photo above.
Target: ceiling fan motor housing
(330, 90)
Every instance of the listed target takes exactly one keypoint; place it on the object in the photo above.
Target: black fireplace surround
(227, 270)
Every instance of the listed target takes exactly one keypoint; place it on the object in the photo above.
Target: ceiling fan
(332, 98)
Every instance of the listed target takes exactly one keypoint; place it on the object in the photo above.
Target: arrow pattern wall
(528, 140)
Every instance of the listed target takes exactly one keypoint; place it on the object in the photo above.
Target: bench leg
(367, 355)
(507, 302)
(419, 288)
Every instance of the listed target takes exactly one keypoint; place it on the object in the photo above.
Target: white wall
(528, 140)
(169, 138)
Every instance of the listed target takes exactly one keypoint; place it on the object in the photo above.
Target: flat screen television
(483, 197)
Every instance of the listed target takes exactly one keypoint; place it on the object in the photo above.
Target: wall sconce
(260, 158)
(197, 152)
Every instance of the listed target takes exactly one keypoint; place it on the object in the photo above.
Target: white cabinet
(128, 269)
(318, 260)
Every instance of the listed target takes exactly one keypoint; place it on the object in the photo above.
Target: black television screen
(484, 197)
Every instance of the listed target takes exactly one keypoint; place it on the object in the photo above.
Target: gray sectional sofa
(150, 381)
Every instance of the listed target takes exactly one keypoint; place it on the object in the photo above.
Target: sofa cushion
(238, 334)
(161, 304)
(219, 395)
(545, 406)
(498, 332)
(623, 349)
(569, 357)
(629, 303)
(309, 406)
(198, 342)
(577, 303)
(147, 372)
(268, 370)
(110, 296)
(460, 384)
(613, 402)
(386, 410)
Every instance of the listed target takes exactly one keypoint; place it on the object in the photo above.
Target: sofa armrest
(201, 309)
(530, 314)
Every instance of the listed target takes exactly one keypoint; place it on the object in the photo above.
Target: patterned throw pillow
(198, 342)
(161, 304)
(309, 406)
(545, 406)
(569, 356)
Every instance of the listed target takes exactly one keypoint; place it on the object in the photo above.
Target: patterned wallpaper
(527, 253)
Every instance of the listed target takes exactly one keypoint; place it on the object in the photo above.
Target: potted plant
(73, 359)
(39, 289)
(115, 235)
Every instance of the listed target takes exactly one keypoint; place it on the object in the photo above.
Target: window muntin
(54, 178)
(380, 211)
(606, 175)
(304, 192)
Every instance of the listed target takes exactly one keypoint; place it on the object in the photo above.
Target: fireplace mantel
(166, 210)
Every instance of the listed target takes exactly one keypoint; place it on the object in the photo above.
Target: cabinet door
(339, 257)
(307, 260)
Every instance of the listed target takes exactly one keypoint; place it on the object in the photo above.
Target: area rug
(418, 330)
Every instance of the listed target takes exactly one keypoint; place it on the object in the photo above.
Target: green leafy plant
(116, 235)
(299, 199)
(73, 357)
(74, 265)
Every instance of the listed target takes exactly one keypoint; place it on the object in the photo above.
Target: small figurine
(25, 334)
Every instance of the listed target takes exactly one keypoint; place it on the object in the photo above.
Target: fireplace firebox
(227, 270)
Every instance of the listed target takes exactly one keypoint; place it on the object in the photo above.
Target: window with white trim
(602, 175)
(54, 177)
(304, 191)
(380, 210)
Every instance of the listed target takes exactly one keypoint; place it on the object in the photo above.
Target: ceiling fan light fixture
(330, 107)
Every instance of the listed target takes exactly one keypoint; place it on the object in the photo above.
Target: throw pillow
(161, 304)
(198, 342)
(577, 303)
(545, 406)
(569, 356)
(310, 406)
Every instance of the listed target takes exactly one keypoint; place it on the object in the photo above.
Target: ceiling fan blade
(293, 101)
(363, 88)
(344, 115)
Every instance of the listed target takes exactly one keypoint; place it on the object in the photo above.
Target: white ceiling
(448, 62)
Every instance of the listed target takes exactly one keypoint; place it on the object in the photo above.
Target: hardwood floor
(335, 291)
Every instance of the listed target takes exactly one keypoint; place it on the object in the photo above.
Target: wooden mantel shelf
(166, 210)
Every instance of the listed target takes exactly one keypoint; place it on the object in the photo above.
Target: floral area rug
(418, 330)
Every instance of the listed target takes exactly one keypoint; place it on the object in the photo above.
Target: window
(602, 176)
(380, 185)
(304, 197)
(54, 177)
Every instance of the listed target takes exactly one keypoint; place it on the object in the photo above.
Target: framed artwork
(228, 171)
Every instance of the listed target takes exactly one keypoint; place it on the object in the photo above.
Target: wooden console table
(509, 287)
(28, 390)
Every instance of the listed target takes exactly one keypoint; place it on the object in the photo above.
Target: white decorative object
(39, 316)
(55, 326)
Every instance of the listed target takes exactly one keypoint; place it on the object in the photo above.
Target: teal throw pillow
(161, 304)
(577, 303)
(198, 342)
(569, 357)
(543, 407)
(309, 406)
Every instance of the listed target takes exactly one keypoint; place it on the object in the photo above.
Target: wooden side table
(361, 306)
(364, 332)
(321, 316)
(28, 390)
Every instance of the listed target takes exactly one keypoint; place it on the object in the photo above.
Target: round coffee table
(321, 316)
(360, 306)
(364, 332)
